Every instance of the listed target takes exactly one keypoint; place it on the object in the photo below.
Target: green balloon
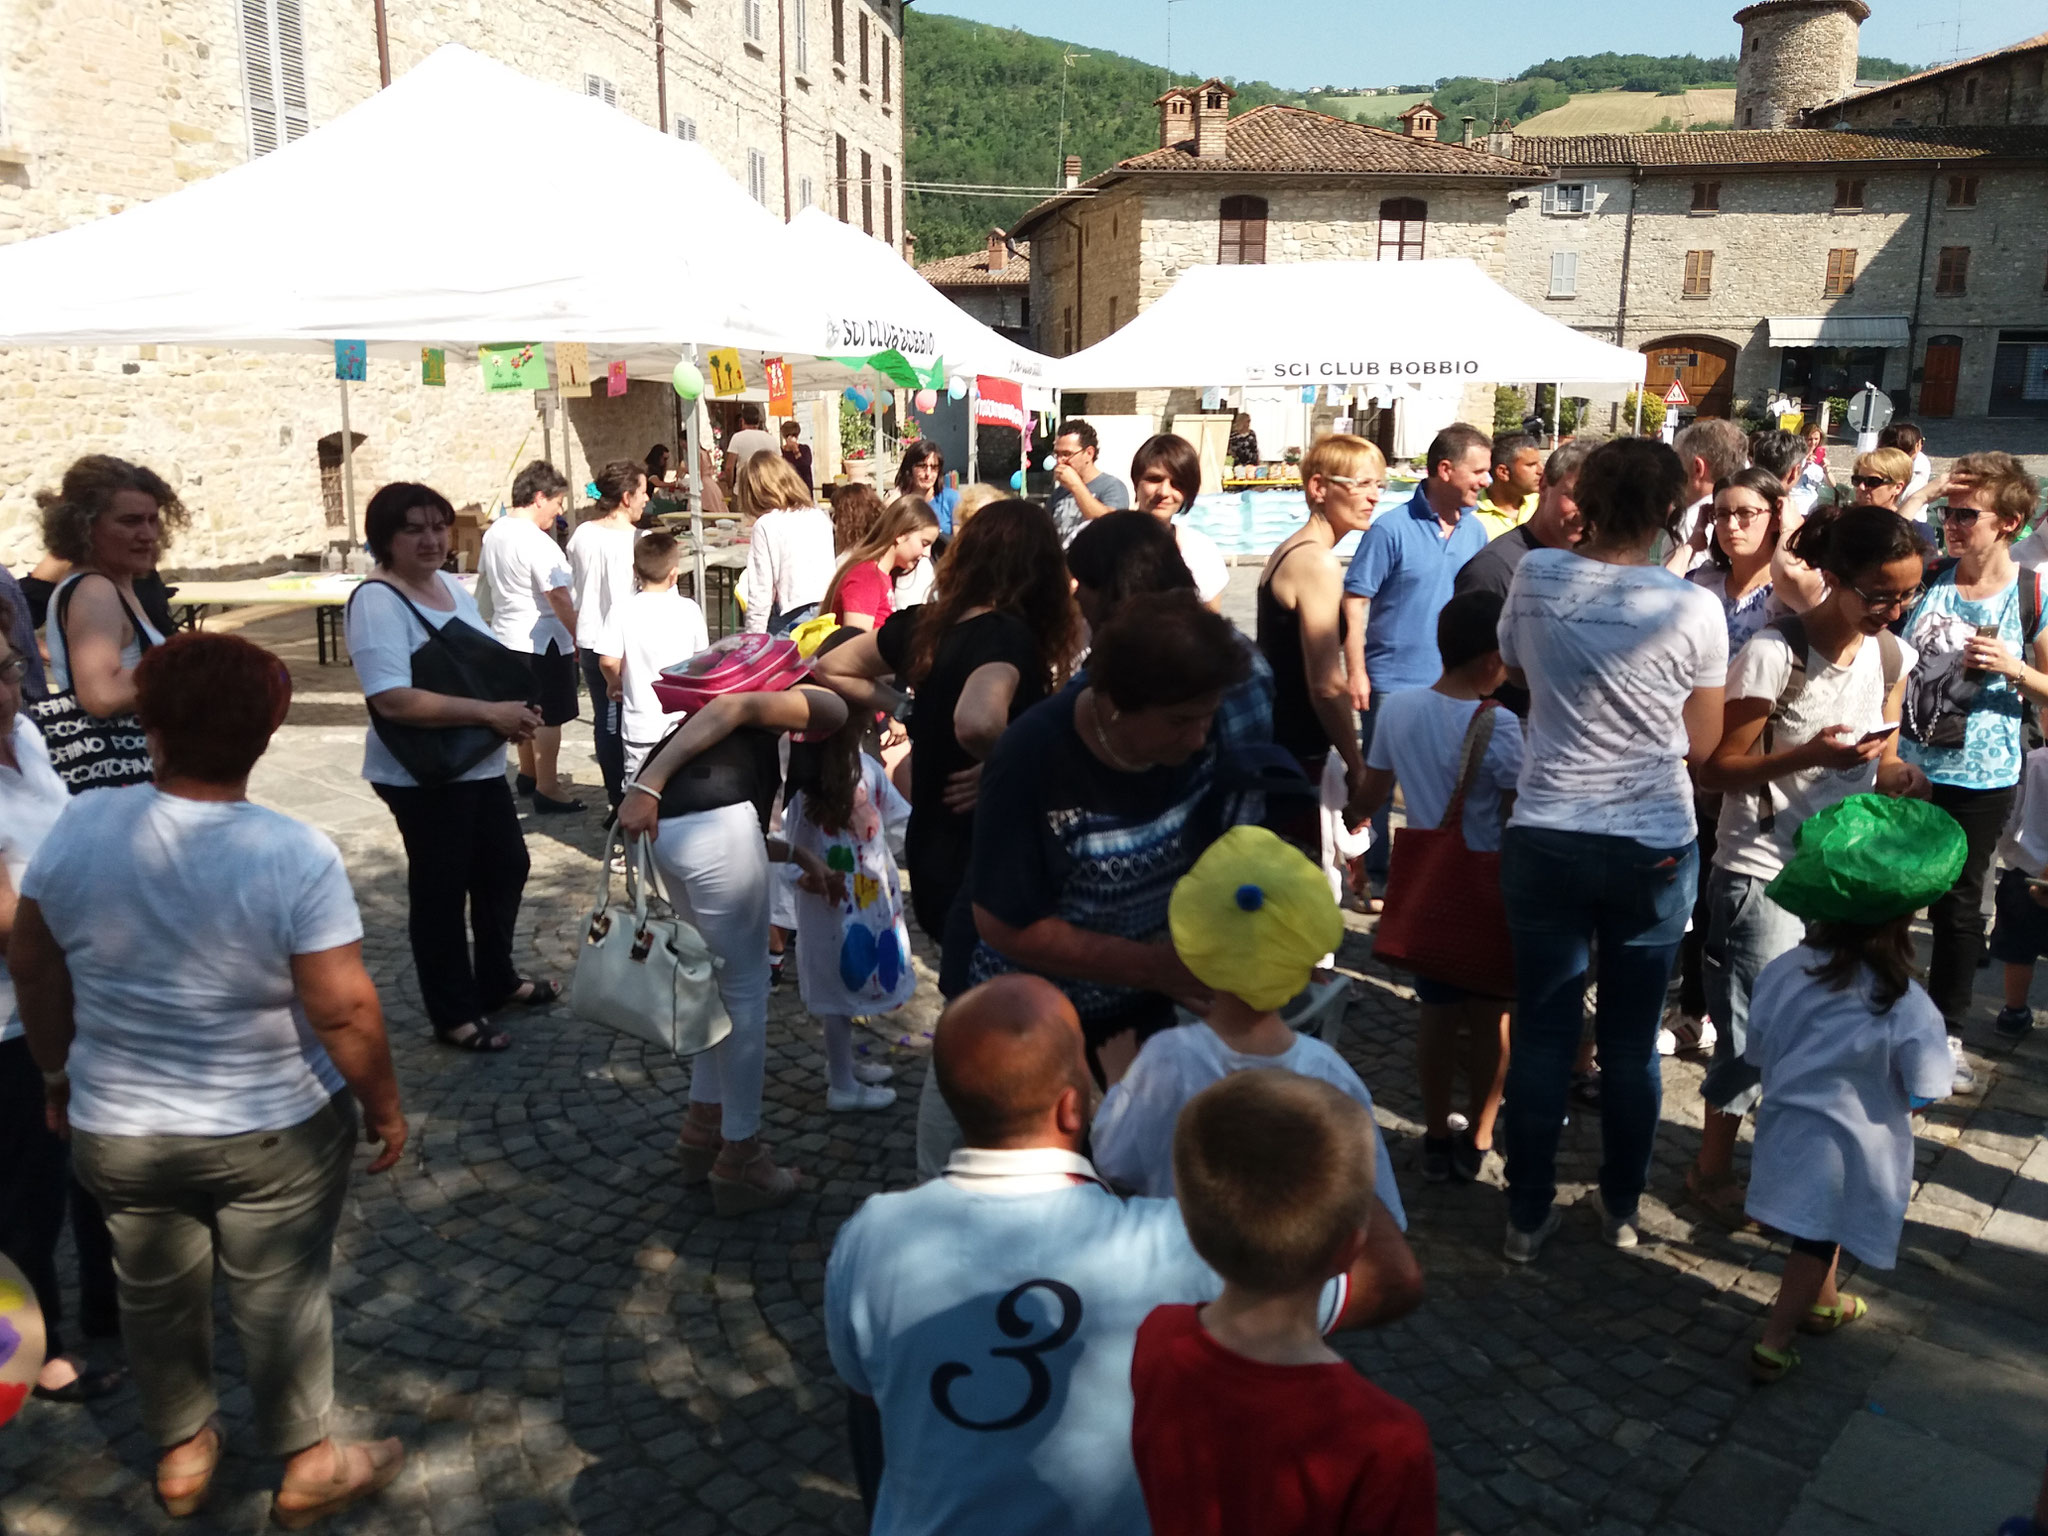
(688, 381)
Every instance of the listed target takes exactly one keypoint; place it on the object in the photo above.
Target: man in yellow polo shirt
(1517, 476)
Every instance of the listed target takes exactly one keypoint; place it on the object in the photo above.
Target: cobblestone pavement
(568, 1341)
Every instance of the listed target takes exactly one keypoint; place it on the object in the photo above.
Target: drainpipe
(1920, 286)
(383, 48)
(1628, 239)
(782, 84)
(661, 83)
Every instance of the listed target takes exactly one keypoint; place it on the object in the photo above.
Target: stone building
(103, 106)
(993, 285)
(1276, 184)
(1794, 52)
(2005, 88)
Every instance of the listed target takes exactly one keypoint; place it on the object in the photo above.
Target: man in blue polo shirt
(1400, 580)
(984, 1322)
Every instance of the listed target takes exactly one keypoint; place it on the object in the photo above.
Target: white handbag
(653, 978)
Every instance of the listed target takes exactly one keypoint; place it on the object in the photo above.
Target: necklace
(1116, 759)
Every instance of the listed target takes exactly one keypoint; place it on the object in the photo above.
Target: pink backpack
(736, 664)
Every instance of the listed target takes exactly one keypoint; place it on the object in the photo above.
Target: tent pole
(1556, 412)
(1639, 404)
(699, 436)
(348, 469)
(973, 437)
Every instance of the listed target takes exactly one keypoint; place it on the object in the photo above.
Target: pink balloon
(927, 400)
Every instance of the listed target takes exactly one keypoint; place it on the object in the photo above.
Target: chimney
(998, 251)
(1212, 119)
(910, 247)
(1468, 120)
(1420, 120)
(1073, 171)
(1502, 140)
(1176, 119)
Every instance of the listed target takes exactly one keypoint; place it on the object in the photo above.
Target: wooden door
(1938, 376)
(1704, 364)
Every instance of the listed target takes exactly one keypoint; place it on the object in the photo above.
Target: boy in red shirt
(1245, 1419)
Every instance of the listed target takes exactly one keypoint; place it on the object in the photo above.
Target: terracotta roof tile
(971, 270)
(1785, 146)
(1293, 139)
(2024, 45)
(1855, 7)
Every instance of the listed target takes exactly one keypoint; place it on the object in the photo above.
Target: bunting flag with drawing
(433, 366)
(572, 369)
(513, 365)
(615, 377)
(727, 377)
(351, 360)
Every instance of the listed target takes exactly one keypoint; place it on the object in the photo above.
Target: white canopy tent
(1402, 329)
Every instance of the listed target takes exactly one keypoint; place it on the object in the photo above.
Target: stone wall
(106, 105)
(2008, 92)
(1791, 60)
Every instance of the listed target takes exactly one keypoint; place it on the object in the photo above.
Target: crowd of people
(1670, 713)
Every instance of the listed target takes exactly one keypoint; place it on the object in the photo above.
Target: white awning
(1838, 331)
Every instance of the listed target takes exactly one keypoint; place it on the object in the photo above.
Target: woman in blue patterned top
(1982, 661)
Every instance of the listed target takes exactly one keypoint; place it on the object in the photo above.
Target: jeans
(604, 728)
(1745, 931)
(263, 1208)
(1692, 987)
(1382, 849)
(463, 850)
(1958, 918)
(36, 1186)
(1562, 890)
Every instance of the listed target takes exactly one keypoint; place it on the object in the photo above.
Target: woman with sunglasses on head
(1812, 713)
(1983, 659)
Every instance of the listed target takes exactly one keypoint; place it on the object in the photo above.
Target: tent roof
(1343, 322)
(427, 215)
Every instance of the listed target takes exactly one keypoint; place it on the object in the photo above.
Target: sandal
(360, 1470)
(742, 1196)
(1721, 1197)
(182, 1492)
(481, 1038)
(696, 1157)
(85, 1387)
(1769, 1365)
(1846, 1310)
(539, 993)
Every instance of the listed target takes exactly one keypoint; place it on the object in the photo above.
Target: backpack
(1943, 692)
(1792, 629)
(744, 663)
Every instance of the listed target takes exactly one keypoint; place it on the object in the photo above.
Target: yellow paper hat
(1253, 917)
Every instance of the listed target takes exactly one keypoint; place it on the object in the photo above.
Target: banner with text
(999, 403)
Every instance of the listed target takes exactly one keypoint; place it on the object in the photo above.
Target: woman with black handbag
(445, 699)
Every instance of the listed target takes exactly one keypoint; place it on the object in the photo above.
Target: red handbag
(1444, 917)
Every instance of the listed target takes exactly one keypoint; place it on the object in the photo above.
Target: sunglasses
(1888, 600)
(1963, 515)
(1351, 482)
(1869, 482)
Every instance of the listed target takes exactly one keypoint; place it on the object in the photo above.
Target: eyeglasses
(13, 669)
(1869, 482)
(1963, 515)
(1741, 519)
(1352, 482)
(1888, 600)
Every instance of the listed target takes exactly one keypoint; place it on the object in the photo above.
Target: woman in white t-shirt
(790, 546)
(1625, 665)
(601, 578)
(1166, 477)
(191, 979)
(1787, 752)
(465, 854)
(38, 1184)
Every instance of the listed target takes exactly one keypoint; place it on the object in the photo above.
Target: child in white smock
(852, 947)
(1850, 1048)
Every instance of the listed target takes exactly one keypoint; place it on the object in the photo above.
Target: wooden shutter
(839, 36)
(885, 69)
(274, 73)
(1952, 270)
(863, 45)
(1699, 274)
(1706, 197)
(1841, 276)
(1564, 274)
(867, 192)
(839, 149)
(803, 36)
(888, 205)
(1241, 232)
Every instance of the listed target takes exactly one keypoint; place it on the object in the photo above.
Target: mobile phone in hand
(1888, 728)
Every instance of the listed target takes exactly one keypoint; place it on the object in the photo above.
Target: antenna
(1059, 163)
(1957, 51)
(1170, 4)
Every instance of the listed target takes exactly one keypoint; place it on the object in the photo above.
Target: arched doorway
(1704, 364)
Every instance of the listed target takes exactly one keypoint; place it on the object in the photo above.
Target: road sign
(1675, 395)
(1870, 410)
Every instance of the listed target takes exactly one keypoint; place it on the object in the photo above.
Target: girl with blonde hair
(790, 553)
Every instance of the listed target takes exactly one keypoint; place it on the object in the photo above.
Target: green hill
(984, 109)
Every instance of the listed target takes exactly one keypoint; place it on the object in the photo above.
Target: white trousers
(714, 865)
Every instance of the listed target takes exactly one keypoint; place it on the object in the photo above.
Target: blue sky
(1300, 43)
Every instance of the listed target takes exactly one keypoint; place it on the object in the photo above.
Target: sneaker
(1966, 1075)
(1616, 1231)
(1466, 1159)
(1683, 1034)
(1522, 1247)
(1436, 1158)
(2013, 1023)
(859, 1097)
(872, 1072)
(1457, 1122)
(774, 969)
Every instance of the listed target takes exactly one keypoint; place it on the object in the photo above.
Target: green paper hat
(1870, 859)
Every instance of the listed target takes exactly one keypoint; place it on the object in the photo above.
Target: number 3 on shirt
(1039, 1392)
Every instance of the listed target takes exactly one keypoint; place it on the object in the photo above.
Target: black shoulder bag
(87, 751)
(465, 663)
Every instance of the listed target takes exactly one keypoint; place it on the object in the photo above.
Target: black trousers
(1958, 918)
(36, 1186)
(604, 726)
(1692, 986)
(463, 850)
